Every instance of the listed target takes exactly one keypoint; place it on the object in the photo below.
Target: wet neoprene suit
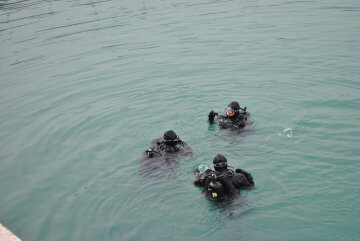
(239, 120)
(229, 179)
(160, 148)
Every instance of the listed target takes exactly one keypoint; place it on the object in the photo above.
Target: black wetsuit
(230, 181)
(160, 148)
(238, 121)
(163, 158)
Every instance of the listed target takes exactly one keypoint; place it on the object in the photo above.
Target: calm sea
(86, 85)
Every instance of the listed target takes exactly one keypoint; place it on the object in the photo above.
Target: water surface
(86, 85)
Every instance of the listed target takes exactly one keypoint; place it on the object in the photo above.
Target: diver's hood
(235, 106)
(170, 136)
(219, 161)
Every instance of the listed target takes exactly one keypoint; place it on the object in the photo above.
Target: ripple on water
(86, 85)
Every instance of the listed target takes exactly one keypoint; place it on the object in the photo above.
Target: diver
(163, 155)
(170, 143)
(235, 117)
(222, 182)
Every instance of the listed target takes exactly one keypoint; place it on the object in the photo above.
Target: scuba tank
(214, 188)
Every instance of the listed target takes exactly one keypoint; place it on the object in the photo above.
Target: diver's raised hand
(149, 153)
(212, 115)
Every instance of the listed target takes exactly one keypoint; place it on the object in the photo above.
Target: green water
(85, 86)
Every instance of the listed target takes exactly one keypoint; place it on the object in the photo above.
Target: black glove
(149, 152)
(212, 115)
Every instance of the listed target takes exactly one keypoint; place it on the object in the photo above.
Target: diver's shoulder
(157, 141)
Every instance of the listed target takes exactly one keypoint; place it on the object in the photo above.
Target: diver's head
(220, 162)
(232, 109)
(171, 138)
